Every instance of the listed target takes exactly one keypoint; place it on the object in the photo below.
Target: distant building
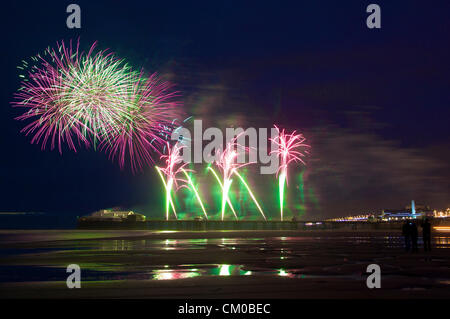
(113, 214)
(442, 214)
(410, 211)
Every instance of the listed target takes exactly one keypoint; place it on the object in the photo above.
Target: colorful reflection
(283, 273)
(224, 270)
(212, 270)
(442, 242)
(171, 274)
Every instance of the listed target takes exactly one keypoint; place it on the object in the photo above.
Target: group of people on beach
(411, 234)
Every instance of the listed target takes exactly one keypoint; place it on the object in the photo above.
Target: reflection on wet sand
(323, 258)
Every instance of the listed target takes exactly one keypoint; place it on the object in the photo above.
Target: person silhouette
(414, 235)
(426, 234)
(406, 232)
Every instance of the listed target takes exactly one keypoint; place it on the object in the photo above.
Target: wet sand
(237, 264)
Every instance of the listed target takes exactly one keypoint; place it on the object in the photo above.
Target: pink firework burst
(288, 150)
(96, 99)
(169, 174)
(71, 95)
(226, 161)
(146, 123)
(174, 165)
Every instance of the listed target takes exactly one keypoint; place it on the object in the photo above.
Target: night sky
(373, 104)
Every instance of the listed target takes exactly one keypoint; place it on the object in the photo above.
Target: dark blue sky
(373, 103)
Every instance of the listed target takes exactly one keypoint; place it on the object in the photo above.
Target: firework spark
(290, 148)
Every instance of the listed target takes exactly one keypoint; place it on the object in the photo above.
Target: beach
(220, 264)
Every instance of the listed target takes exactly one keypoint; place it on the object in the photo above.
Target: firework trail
(174, 166)
(169, 200)
(94, 98)
(221, 187)
(194, 189)
(288, 151)
(251, 194)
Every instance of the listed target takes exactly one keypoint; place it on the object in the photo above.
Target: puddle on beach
(224, 270)
(168, 244)
(270, 253)
(233, 243)
(98, 272)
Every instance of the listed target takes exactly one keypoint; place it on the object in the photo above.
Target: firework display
(86, 98)
(290, 148)
(96, 100)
